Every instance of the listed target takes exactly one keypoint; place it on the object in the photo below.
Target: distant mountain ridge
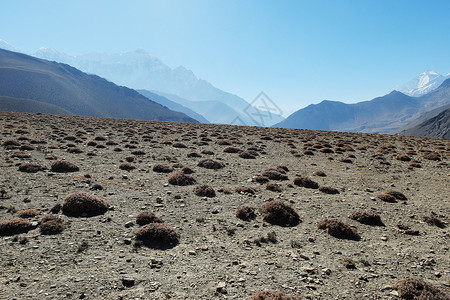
(436, 127)
(384, 114)
(60, 85)
(422, 84)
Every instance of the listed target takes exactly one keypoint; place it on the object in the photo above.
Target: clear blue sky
(298, 52)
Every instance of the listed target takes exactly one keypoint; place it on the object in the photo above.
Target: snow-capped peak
(7, 46)
(422, 84)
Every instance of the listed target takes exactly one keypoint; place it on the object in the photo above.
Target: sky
(298, 52)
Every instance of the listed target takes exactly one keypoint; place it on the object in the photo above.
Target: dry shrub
(247, 155)
(30, 168)
(193, 154)
(273, 295)
(126, 166)
(20, 154)
(211, 164)
(62, 166)
(328, 190)
(306, 182)
(157, 235)
(433, 220)
(403, 157)
(274, 174)
(326, 150)
(11, 143)
(366, 216)
(432, 156)
(147, 218)
(81, 203)
(338, 229)
(308, 152)
(51, 225)
(319, 173)
(245, 213)
(187, 170)
(387, 198)
(179, 145)
(179, 178)
(278, 213)
(204, 191)
(261, 179)
(273, 187)
(231, 149)
(75, 150)
(28, 213)
(396, 194)
(159, 168)
(346, 160)
(415, 165)
(416, 288)
(15, 226)
(245, 190)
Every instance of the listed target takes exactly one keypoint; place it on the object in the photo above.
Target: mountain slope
(437, 127)
(30, 106)
(173, 105)
(422, 84)
(27, 77)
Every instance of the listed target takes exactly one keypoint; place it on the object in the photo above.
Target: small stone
(192, 252)
(128, 282)
(326, 271)
(129, 224)
(125, 176)
(221, 287)
(395, 293)
(127, 241)
(384, 238)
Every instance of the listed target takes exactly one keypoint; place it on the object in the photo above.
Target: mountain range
(422, 84)
(384, 114)
(436, 127)
(140, 70)
(25, 81)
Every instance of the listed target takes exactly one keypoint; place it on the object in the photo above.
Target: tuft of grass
(278, 213)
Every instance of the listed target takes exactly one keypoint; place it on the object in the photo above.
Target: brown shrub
(308, 152)
(245, 190)
(211, 164)
(319, 173)
(231, 149)
(11, 144)
(84, 204)
(51, 225)
(21, 154)
(30, 168)
(396, 194)
(366, 216)
(204, 191)
(387, 198)
(147, 218)
(306, 182)
(278, 213)
(328, 190)
(62, 166)
(28, 213)
(273, 295)
(126, 166)
(187, 170)
(432, 156)
(416, 288)
(273, 187)
(193, 154)
(179, 178)
(179, 145)
(157, 235)
(433, 220)
(245, 213)
(15, 226)
(261, 179)
(403, 157)
(159, 168)
(274, 174)
(346, 160)
(247, 155)
(338, 229)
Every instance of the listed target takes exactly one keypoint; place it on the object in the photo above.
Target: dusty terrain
(218, 255)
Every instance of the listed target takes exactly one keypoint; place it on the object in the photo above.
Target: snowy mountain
(140, 70)
(422, 84)
(6, 46)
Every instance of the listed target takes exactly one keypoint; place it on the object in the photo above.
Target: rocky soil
(218, 255)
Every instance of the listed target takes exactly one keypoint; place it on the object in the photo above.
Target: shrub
(51, 225)
(179, 178)
(179, 145)
(416, 288)
(126, 166)
(433, 220)
(366, 216)
(306, 182)
(157, 235)
(159, 168)
(403, 157)
(273, 187)
(387, 198)
(278, 213)
(80, 204)
(30, 168)
(147, 218)
(204, 191)
(346, 160)
(261, 179)
(62, 166)
(15, 226)
(396, 194)
(11, 144)
(231, 149)
(328, 190)
(247, 155)
(211, 164)
(138, 152)
(245, 190)
(245, 213)
(319, 173)
(432, 156)
(28, 213)
(273, 295)
(193, 154)
(274, 174)
(338, 229)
